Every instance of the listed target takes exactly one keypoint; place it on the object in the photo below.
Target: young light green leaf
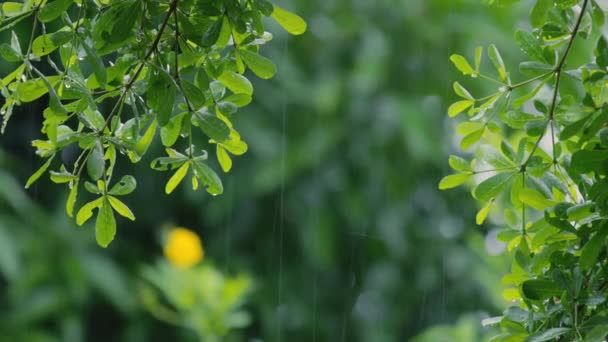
(478, 55)
(497, 61)
(261, 66)
(34, 177)
(458, 107)
(121, 208)
(62, 177)
(291, 22)
(71, 201)
(86, 211)
(482, 214)
(223, 158)
(142, 145)
(177, 178)
(462, 64)
(31, 90)
(47, 43)
(462, 92)
(105, 226)
(471, 138)
(459, 164)
(237, 83)
(452, 181)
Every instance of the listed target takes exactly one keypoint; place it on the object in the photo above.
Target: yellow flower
(183, 248)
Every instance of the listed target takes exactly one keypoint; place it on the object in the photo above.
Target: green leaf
(291, 22)
(177, 178)
(538, 15)
(459, 106)
(213, 33)
(125, 186)
(530, 45)
(96, 63)
(213, 127)
(53, 10)
(105, 226)
(31, 90)
(170, 132)
(462, 64)
(494, 158)
(532, 68)
(601, 52)
(548, 335)
(237, 83)
(482, 214)
(517, 103)
(223, 158)
(493, 186)
(209, 178)
(539, 289)
(86, 211)
(34, 177)
(95, 162)
(584, 161)
(580, 211)
(597, 334)
(123, 21)
(497, 61)
(452, 181)
(9, 54)
(261, 66)
(535, 199)
(591, 251)
(121, 208)
(193, 94)
(161, 96)
(47, 43)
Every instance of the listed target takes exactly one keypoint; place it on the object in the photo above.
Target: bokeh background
(332, 223)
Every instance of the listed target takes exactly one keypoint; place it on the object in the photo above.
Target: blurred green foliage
(333, 212)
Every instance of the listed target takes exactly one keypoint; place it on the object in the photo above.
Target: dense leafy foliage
(170, 67)
(542, 159)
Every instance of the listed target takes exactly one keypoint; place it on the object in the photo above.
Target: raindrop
(67, 84)
(474, 75)
(502, 89)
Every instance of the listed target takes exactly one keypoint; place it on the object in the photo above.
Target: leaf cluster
(542, 159)
(116, 74)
